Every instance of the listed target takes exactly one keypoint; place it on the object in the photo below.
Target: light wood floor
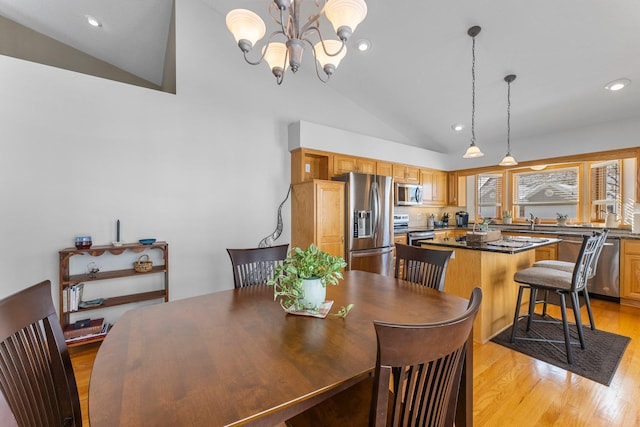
(511, 389)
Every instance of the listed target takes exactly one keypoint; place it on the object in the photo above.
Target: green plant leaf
(344, 310)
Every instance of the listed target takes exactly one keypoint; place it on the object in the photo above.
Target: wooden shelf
(124, 299)
(67, 279)
(103, 275)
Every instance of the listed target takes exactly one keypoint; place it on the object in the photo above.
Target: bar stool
(568, 267)
(562, 284)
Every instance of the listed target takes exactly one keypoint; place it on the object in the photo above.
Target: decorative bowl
(147, 241)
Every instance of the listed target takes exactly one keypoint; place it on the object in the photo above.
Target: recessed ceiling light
(363, 45)
(457, 127)
(93, 21)
(617, 84)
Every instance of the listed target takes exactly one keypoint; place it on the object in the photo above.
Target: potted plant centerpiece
(506, 217)
(302, 278)
(562, 219)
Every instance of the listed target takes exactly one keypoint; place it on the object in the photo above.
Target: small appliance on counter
(462, 219)
(445, 219)
(432, 221)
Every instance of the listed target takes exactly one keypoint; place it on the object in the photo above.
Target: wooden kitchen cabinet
(345, 164)
(456, 189)
(384, 168)
(309, 164)
(630, 272)
(401, 238)
(434, 187)
(317, 215)
(406, 173)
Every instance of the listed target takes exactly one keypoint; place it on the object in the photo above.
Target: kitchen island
(491, 266)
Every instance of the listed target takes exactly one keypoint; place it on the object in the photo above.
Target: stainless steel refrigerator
(369, 222)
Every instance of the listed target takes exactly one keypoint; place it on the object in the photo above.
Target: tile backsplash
(419, 215)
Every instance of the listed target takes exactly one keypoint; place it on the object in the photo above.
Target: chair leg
(516, 316)
(565, 325)
(587, 302)
(532, 306)
(576, 311)
(544, 305)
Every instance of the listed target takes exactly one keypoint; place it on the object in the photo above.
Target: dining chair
(36, 376)
(562, 284)
(255, 266)
(568, 266)
(416, 378)
(421, 265)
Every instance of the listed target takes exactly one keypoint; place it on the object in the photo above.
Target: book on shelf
(71, 297)
(103, 332)
(83, 327)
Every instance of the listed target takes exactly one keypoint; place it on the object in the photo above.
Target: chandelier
(473, 150)
(344, 15)
(509, 160)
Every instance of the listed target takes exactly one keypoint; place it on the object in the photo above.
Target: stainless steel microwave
(408, 194)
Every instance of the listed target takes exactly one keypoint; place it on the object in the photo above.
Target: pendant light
(473, 150)
(508, 158)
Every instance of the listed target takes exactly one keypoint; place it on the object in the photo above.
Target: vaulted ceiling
(416, 77)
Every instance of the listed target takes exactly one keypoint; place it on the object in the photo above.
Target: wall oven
(408, 194)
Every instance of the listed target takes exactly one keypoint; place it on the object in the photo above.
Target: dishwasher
(606, 283)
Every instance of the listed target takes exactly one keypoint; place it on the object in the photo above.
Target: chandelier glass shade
(473, 150)
(285, 46)
(508, 159)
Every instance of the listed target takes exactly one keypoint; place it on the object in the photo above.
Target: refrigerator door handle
(375, 196)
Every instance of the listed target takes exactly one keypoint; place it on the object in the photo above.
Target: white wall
(204, 169)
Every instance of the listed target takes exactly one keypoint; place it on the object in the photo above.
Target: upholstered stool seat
(558, 265)
(543, 277)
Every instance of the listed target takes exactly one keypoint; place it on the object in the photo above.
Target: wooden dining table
(236, 358)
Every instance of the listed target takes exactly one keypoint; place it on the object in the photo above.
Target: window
(605, 189)
(489, 195)
(543, 194)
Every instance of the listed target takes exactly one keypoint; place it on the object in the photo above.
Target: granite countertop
(552, 229)
(569, 230)
(511, 245)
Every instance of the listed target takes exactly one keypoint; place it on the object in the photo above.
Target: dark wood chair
(563, 285)
(420, 265)
(255, 266)
(36, 376)
(416, 379)
(568, 267)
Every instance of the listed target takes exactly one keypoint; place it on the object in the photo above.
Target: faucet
(532, 221)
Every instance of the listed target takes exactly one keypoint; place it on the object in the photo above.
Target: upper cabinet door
(404, 173)
(345, 164)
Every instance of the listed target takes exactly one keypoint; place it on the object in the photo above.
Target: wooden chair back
(421, 265)
(255, 266)
(423, 364)
(36, 376)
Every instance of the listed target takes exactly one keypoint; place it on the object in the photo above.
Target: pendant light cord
(508, 118)
(473, 91)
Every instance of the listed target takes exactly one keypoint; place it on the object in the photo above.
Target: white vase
(314, 293)
(506, 220)
(562, 222)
